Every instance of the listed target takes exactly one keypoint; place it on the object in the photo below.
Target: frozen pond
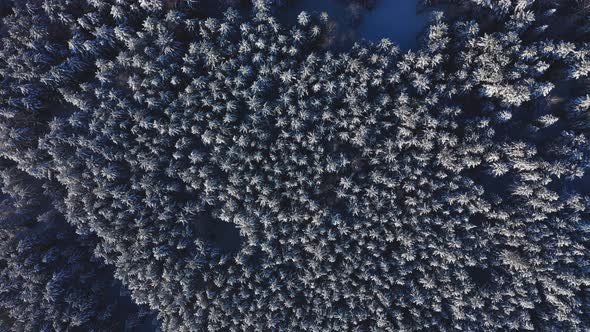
(397, 20)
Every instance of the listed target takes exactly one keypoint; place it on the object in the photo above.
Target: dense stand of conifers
(444, 188)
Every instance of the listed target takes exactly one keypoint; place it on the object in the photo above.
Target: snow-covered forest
(222, 165)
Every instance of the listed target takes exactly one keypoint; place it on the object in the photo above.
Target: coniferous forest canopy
(222, 165)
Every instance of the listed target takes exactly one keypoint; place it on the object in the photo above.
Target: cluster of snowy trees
(49, 277)
(440, 189)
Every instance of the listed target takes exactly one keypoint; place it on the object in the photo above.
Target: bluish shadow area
(578, 185)
(480, 276)
(398, 20)
(221, 235)
(6, 7)
(138, 319)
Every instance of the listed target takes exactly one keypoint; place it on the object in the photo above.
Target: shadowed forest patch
(221, 235)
